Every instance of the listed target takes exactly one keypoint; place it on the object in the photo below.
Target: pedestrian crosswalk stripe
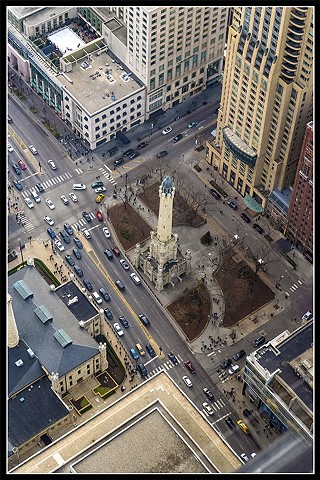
(78, 170)
(219, 401)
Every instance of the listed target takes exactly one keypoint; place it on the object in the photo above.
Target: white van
(35, 196)
(79, 186)
(97, 297)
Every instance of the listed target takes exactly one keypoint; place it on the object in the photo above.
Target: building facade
(267, 99)
(300, 215)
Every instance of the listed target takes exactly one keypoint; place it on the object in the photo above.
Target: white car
(135, 278)
(118, 329)
(208, 408)
(167, 130)
(106, 232)
(59, 245)
(100, 189)
(233, 369)
(244, 457)
(29, 202)
(50, 203)
(73, 197)
(33, 149)
(79, 186)
(52, 164)
(64, 199)
(187, 380)
(48, 220)
(10, 147)
(124, 264)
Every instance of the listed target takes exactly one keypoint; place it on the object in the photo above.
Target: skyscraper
(300, 214)
(266, 102)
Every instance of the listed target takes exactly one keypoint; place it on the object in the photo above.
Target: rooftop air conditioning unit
(19, 363)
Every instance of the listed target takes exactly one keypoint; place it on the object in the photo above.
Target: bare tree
(260, 254)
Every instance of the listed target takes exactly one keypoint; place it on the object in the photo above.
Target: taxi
(99, 198)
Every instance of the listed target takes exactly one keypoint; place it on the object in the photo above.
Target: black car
(108, 313)
(144, 319)
(239, 354)
(142, 369)
(78, 270)
(124, 321)
(208, 393)
(215, 194)
(97, 184)
(258, 341)
(173, 358)
(68, 228)
(128, 152)
(17, 184)
(78, 242)
(70, 260)
(177, 138)
(245, 217)
(134, 155)
(120, 285)
(77, 254)
(162, 154)
(118, 161)
(65, 236)
(246, 412)
(16, 168)
(230, 422)
(258, 228)
(39, 187)
(226, 363)
(86, 216)
(150, 350)
(87, 284)
(108, 254)
(104, 294)
(232, 205)
(142, 145)
(51, 232)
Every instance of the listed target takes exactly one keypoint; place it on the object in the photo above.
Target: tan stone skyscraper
(267, 100)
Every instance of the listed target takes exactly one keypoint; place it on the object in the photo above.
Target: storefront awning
(252, 204)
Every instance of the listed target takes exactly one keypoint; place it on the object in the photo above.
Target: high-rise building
(267, 99)
(300, 215)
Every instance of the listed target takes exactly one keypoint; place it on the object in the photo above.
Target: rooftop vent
(30, 352)
(21, 399)
(19, 363)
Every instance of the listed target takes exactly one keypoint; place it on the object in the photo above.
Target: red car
(189, 366)
(22, 165)
(99, 215)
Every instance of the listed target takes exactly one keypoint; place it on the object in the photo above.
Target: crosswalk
(294, 287)
(79, 224)
(21, 217)
(49, 183)
(105, 171)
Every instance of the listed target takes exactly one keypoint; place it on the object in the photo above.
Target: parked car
(108, 254)
(142, 145)
(106, 232)
(104, 294)
(173, 358)
(177, 138)
(33, 149)
(108, 313)
(258, 341)
(29, 202)
(162, 154)
(244, 457)
(22, 165)
(127, 153)
(134, 155)
(150, 350)
(124, 264)
(73, 197)
(233, 369)
(118, 329)
(78, 242)
(68, 228)
(192, 124)
(239, 354)
(50, 203)
(48, 220)
(65, 236)
(59, 245)
(189, 366)
(115, 250)
(64, 199)
(215, 194)
(134, 354)
(51, 232)
(166, 130)
(124, 321)
(208, 393)
(17, 184)
(187, 380)
(52, 164)
(78, 270)
(10, 147)
(86, 216)
(245, 217)
(208, 408)
(307, 316)
(258, 228)
(226, 363)
(16, 168)
(77, 254)
(70, 260)
(135, 278)
(87, 284)
(232, 205)
(118, 161)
